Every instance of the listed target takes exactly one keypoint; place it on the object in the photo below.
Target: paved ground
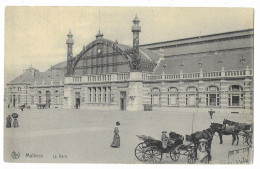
(84, 137)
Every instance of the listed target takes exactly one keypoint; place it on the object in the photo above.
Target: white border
(158, 3)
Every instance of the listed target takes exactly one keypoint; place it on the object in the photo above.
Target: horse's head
(174, 135)
(228, 122)
(225, 121)
(216, 127)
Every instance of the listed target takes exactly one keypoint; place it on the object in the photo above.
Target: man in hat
(164, 139)
(202, 151)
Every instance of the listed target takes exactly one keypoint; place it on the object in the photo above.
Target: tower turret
(69, 43)
(136, 29)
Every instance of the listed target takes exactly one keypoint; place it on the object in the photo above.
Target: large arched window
(155, 96)
(192, 96)
(236, 96)
(212, 96)
(172, 96)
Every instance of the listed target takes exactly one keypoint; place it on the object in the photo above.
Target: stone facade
(194, 74)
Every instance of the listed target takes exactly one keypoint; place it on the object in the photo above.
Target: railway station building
(197, 73)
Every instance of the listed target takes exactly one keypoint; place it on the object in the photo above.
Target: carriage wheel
(175, 155)
(139, 151)
(152, 155)
(191, 157)
(249, 140)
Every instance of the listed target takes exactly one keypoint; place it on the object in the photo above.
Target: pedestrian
(15, 123)
(211, 113)
(9, 121)
(203, 151)
(116, 139)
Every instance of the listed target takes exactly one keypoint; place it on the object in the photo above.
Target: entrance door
(77, 100)
(48, 98)
(13, 100)
(123, 100)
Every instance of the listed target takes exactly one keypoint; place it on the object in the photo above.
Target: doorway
(77, 100)
(123, 100)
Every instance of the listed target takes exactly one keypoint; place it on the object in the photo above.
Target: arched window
(173, 96)
(212, 96)
(48, 97)
(236, 96)
(155, 96)
(39, 93)
(192, 96)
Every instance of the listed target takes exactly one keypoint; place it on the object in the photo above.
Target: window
(172, 96)
(192, 96)
(155, 96)
(99, 94)
(95, 94)
(109, 95)
(90, 94)
(236, 96)
(56, 93)
(212, 96)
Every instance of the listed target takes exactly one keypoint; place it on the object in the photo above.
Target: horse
(226, 130)
(239, 126)
(205, 134)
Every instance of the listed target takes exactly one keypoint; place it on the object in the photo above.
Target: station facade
(185, 75)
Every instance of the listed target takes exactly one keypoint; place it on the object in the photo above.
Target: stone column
(182, 94)
(135, 94)
(223, 94)
(135, 97)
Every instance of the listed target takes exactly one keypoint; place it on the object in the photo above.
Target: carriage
(247, 137)
(152, 150)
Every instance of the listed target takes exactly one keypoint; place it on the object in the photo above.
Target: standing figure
(211, 113)
(202, 151)
(15, 123)
(116, 140)
(9, 121)
(164, 139)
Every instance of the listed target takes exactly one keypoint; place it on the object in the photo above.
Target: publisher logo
(15, 155)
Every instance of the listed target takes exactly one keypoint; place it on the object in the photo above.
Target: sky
(37, 35)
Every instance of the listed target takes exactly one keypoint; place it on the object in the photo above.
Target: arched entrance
(48, 99)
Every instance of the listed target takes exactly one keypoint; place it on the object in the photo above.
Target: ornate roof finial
(116, 42)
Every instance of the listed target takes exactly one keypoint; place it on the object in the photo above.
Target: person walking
(15, 123)
(211, 113)
(9, 121)
(116, 139)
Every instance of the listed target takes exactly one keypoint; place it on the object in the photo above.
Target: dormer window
(181, 65)
(242, 60)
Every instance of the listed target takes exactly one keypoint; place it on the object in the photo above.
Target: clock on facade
(98, 50)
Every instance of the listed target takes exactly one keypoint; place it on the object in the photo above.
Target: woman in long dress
(15, 123)
(8, 121)
(116, 140)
